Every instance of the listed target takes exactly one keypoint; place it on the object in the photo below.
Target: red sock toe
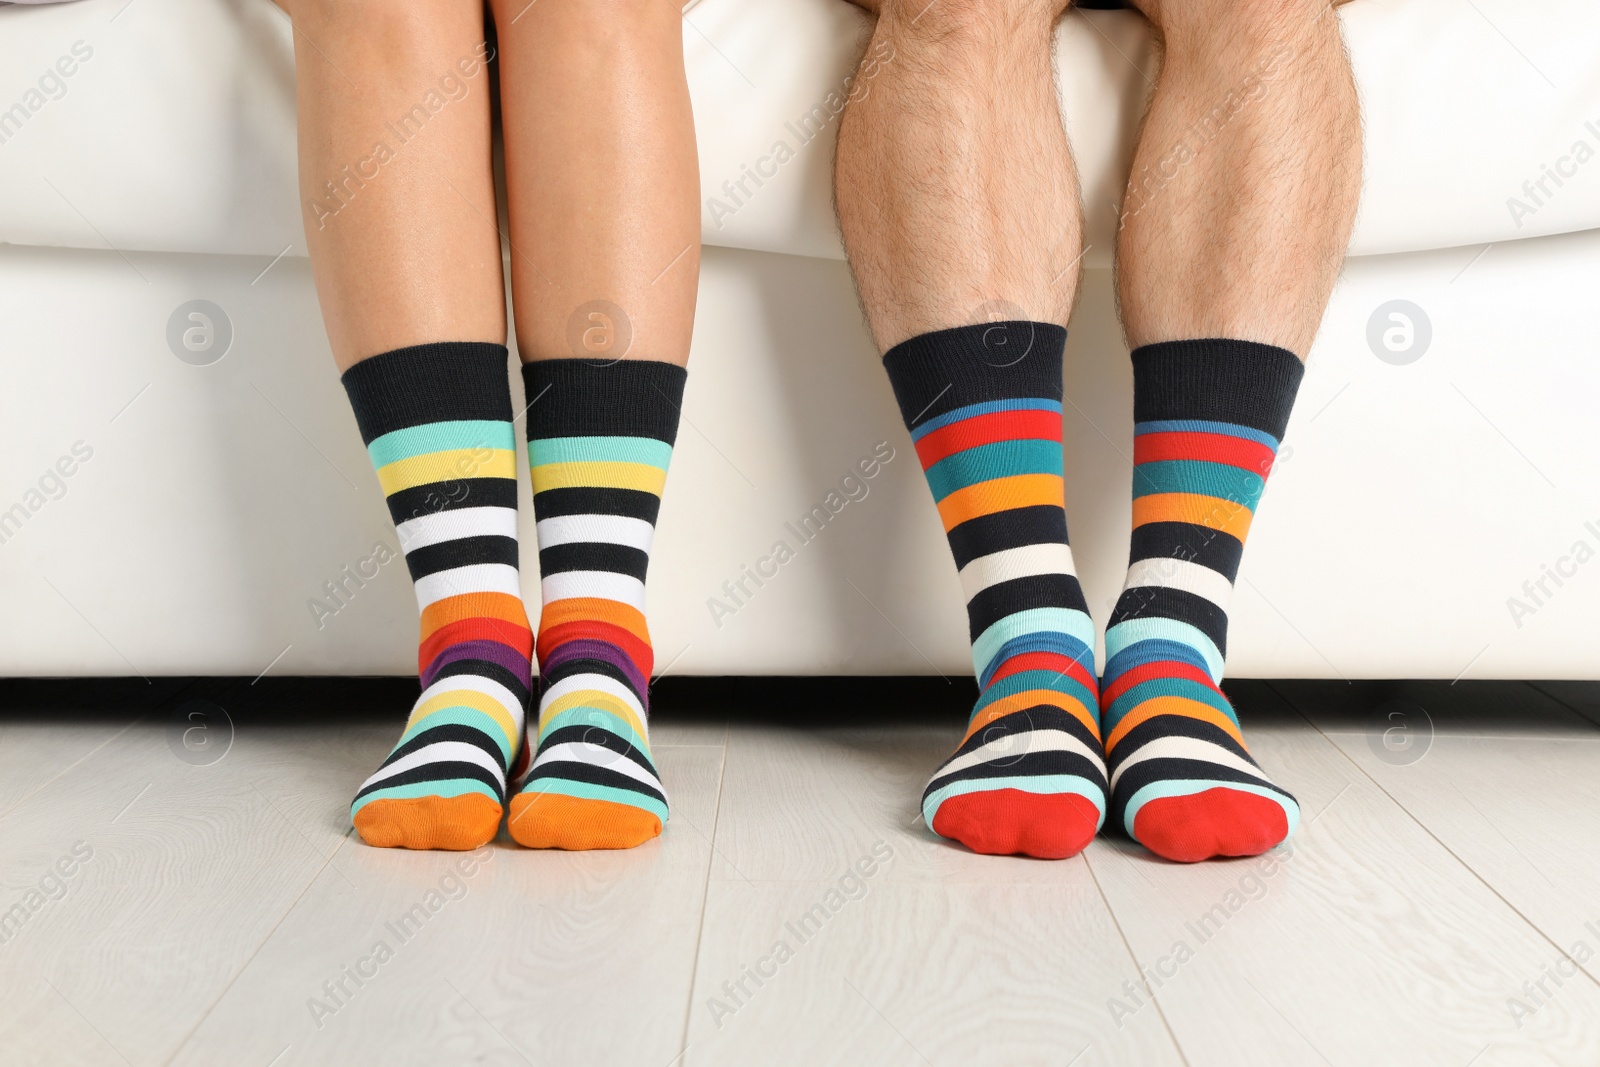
(1006, 822)
(1216, 822)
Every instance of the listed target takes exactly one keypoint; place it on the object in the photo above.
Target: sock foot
(454, 824)
(1208, 417)
(1011, 822)
(548, 820)
(436, 420)
(1216, 822)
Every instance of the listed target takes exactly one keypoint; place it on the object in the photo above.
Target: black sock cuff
(1218, 380)
(429, 383)
(935, 373)
(581, 398)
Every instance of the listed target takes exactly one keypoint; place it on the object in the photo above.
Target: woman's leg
(603, 182)
(398, 197)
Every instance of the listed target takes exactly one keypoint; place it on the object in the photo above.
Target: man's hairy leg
(1238, 212)
(958, 201)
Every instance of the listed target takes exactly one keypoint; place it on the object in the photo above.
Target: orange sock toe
(551, 820)
(456, 824)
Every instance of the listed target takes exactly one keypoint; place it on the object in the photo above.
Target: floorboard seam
(1133, 957)
(1425, 828)
(705, 896)
(256, 952)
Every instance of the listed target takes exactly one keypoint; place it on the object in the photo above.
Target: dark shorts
(1100, 5)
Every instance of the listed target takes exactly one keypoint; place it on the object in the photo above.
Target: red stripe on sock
(1045, 661)
(986, 430)
(1159, 669)
(519, 638)
(638, 651)
(1212, 447)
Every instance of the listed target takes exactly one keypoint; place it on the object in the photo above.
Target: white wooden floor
(1435, 910)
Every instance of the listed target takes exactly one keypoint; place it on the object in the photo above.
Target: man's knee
(1246, 24)
(963, 19)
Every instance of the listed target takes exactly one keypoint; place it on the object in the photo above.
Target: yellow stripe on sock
(591, 698)
(599, 475)
(447, 467)
(1210, 511)
(467, 698)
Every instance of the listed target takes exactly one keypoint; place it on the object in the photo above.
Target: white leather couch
(1436, 512)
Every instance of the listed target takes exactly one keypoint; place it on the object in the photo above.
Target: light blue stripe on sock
(595, 719)
(1125, 635)
(464, 716)
(444, 787)
(985, 408)
(1059, 644)
(600, 450)
(1188, 787)
(448, 436)
(1000, 459)
(587, 791)
(1042, 784)
(1069, 621)
(1231, 429)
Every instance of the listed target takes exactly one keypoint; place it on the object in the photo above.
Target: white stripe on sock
(440, 752)
(606, 529)
(455, 683)
(605, 585)
(473, 578)
(1014, 746)
(1023, 562)
(441, 526)
(595, 756)
(1189, 748)
(1183, 574)
(600, 682)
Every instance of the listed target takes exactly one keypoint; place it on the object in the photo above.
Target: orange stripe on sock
(1209, 511)
(1031, 698)
(1000, 494)
(593, 609)
(1169, 705)
(473, 606)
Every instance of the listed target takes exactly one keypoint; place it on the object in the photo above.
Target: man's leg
(1238, 212)
(958, 201)
(603, 183)
(394, 151)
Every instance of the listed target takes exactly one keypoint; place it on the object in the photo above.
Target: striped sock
(436, 419)
(1208, 418)
(1028, 776)
(599, 440)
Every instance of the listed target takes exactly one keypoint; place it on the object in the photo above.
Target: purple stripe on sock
(605, 651)
(488, 651)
